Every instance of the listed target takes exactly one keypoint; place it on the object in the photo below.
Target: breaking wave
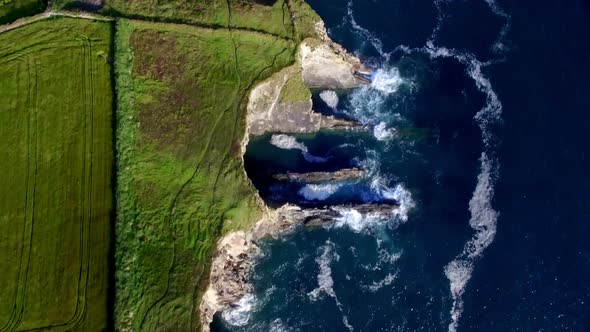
(330, 98)
(319, 192)
(240, 315)
(375, 104)
(399, 194)
(386, 80)
(382, 133)
(290, 143)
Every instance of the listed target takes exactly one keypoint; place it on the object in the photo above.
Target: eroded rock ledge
(283, 102)
(236, 252)
(312, 177)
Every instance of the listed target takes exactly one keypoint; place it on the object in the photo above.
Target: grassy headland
(181, 184)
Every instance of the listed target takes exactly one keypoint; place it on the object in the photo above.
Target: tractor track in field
(85, 236)
(30, 210)
(18, 309)
(85, 227)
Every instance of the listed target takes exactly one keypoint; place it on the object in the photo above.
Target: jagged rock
(268, 113)
(326, 65)
(236, 251)
(339, 175)
(325, 216)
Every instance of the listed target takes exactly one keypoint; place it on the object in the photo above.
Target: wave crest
(240, 315)
(319, 192)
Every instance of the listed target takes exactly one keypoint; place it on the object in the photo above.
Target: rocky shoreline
(322, 64)
(237, 251)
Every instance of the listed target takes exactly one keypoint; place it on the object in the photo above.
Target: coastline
(236, 251)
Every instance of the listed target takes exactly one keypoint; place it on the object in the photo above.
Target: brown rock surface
(339, 175)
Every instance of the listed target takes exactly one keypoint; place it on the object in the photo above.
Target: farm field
(181, 184)
(56, 200)
(10, 10)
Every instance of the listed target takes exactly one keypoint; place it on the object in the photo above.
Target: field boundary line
(50, 13)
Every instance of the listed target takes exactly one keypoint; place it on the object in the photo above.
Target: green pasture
(56, 198)
(181, 183)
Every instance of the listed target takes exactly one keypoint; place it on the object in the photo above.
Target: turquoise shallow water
(479, 127)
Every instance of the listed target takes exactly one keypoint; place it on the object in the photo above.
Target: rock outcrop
(312, 177)
(236, 251)
(328, 215)
(283, 102)
(269, 112)
(232, 265)
(326, 67)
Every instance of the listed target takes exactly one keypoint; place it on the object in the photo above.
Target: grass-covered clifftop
(291, 19)
(181, 118)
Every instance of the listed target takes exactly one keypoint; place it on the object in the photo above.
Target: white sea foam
(399, 193)
(351, 218)
(330, 98)
(458, 272)
(367, 104)
(366, 34)
(319, 192)
(406, 203)
(385, 257)
(498, 11)
(483, 216)
(278, 325)
(290, 143)
(375, 103)
(387, 80)
(325, 281)
(382, 133)
(377, 285)
(240, 315)
(287, 142)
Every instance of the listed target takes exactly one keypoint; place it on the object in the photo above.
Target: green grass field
(273, 19)
(10, 10)
(291, 19)
(181, 183)
(56, 201)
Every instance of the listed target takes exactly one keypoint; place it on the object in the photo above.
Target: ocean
(480, 123)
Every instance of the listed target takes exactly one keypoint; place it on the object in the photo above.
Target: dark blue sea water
(480, 118)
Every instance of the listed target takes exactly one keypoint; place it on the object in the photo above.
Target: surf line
(483, 216)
